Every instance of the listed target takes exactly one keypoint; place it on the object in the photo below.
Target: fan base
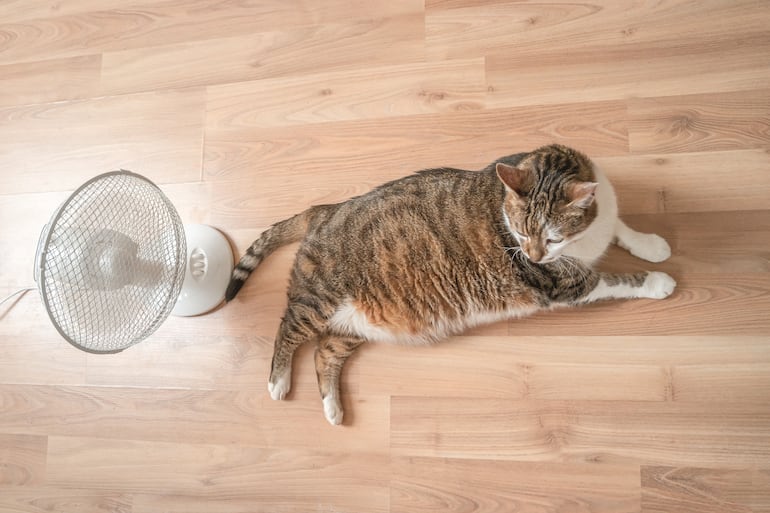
(209, 265)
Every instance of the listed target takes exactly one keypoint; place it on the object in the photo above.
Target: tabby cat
(428, 255)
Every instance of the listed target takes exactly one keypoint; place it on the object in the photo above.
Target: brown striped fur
(425, 256)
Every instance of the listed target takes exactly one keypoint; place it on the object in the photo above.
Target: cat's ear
(516, 179)
(582, 194)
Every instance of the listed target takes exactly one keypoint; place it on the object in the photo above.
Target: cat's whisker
(514, 252)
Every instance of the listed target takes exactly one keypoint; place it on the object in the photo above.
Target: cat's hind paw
(280, 388)
(651, 247)
(332, 410)
(658, 285)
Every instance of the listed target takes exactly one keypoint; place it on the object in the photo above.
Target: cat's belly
(350, 319)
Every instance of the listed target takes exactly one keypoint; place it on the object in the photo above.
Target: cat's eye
(554, 241)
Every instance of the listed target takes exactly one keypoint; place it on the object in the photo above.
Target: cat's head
(549, 200)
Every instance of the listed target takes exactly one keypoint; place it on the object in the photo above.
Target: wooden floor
(247, 112)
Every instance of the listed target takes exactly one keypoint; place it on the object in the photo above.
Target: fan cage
(118, 208)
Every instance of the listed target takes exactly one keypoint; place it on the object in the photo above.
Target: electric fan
(115, 260)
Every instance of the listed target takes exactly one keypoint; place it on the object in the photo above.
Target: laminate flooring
(246, 112)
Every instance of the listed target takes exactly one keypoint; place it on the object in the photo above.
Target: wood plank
(290, 477)
(706, 122)
(644, 183)
(597, 382)
(22, 459)
(607, 75)
(466, 485)
(435, 371)
(704, 490)
(363, 93)
(158, 134)
(484, 366)
(20, 10)
(258, 502)
(605, 432)
(656, 183)
(620, 350)
(264, 55)
(50, 80)
(44, 499)
(32, 350)
(287, 160)
(83, 26)
(704, 242)
(722, 383)
(193, 416)
(527, 32)
(478, 137)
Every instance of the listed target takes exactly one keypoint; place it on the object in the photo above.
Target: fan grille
(112, 264)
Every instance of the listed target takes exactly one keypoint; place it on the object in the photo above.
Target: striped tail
(280, 234)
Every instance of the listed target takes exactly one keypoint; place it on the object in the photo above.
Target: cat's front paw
(651, 247)
(658, 285)
(332, 410)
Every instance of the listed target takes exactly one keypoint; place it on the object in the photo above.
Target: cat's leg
(330, 356)
(646, 246)
(653, 285)
(301, 323)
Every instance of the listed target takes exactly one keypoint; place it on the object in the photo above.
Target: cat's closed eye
(554, 241)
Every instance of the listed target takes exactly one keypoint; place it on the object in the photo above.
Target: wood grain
(356, 156)
(466, 485)
(425, 139)
(691, 490)
(528, 32)
(382, 92)
(264, 54)
(246, 112)
(719, 383)
(705, 242)
(200, 416)
(708, 122)
(606, 432)
(75, 27)
(222, 472)
(45, 81)
(22, 459)
(621, 77)
(716, 180)
(158, 134)
(30, 499)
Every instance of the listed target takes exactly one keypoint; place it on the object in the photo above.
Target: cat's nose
(535, 254)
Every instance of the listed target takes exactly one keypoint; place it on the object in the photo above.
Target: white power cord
(20, 291)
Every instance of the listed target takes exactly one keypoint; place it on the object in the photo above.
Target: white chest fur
(599, 235)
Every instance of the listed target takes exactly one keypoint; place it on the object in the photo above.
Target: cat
(428, 255)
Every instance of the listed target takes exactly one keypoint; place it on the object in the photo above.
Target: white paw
(651, 247)
(658, 285)
(332, 410)
(281, 387)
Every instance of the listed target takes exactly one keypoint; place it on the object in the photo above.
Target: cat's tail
(280, 234)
